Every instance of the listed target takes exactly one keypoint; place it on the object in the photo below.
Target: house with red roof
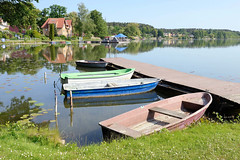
(63, 26)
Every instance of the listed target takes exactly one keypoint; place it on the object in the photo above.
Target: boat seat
(111, 84)
(168, 112)
(124, 130)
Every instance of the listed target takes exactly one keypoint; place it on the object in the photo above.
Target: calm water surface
(23, 89)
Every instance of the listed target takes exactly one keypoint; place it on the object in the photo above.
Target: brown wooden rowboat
(172, 113)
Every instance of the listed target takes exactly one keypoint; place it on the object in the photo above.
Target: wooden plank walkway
(228, 90)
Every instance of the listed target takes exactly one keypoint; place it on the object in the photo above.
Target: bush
(5, 35)
(44, 37)
(26, 37)
(63, 37)
(36, 34)
(74, 38)
(29, 33)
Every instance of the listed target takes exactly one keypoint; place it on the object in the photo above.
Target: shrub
(63, 37)
(5, 35)
(44, 37)
(29, 33)
(36, 34)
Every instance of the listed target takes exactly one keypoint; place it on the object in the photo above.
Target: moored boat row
(173, 113)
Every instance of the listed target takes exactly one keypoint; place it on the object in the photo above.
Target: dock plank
(228, 90)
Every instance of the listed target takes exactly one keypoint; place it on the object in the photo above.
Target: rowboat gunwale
(106, 89)
(98, 74)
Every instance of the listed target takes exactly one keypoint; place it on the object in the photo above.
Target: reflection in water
(89, 69)
(17, 108)
(58, 54)
(113, 101)
(22, 69)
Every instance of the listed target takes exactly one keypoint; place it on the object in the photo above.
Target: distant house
(63, 26)
(3, 24)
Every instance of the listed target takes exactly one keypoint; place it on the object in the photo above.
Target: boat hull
(97, 76)
(172, 113)
(92, 64)
(112, 91)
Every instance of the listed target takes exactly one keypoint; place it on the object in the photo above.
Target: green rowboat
(97, 76)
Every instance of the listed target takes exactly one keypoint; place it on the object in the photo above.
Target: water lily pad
(1, 87)
(8, 91)
(36, 114)
(39, 104)
(52, 120)
(45, 112)
(32, 101)
(50, 109)
(24, 116)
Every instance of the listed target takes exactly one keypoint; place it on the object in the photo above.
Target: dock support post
(71, 99)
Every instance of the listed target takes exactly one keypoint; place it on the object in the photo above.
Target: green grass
(206, 140)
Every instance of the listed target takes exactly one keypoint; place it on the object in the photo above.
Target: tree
(160, 33)
(51, 32)
(43, 16)
(74, 17)
(101, 26)
(19, 13)
(132, 30)
(85, 24)
(57, 11)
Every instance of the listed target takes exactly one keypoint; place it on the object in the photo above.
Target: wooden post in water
(71, 101)
(45, 77)
(71, 108)
(55, 102)
(71, 116)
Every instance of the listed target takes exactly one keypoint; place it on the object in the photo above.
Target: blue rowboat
(110, 88)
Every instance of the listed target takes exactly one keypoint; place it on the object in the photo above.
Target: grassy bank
(206, 140)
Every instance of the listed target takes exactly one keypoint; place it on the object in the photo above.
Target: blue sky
(171, 14)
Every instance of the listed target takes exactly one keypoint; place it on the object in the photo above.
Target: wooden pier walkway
(227, 90)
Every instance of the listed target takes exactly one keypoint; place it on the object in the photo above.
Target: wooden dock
(224, 89)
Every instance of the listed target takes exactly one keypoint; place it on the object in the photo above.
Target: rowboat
(93, 64)
(109, 88)
(147, 97)
(172, 113)
(97, 76)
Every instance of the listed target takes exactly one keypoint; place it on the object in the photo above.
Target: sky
(169, 14)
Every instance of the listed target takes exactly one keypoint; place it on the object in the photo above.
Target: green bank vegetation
(206, 140)
(28, 20)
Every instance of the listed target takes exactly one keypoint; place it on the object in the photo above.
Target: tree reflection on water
(17, 108)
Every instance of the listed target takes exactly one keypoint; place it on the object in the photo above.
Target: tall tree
(51, 32)
(74, 17)
(160, 33)
(57, 11)
(101, 25)
(85, 24)
(43, 16)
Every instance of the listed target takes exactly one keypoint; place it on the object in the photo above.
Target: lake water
(25, 91)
